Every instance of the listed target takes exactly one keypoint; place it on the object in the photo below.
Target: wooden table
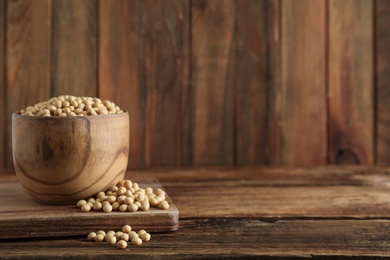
(251, 212)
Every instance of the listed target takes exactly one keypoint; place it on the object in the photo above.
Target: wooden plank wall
(351, 82)
(211, 82)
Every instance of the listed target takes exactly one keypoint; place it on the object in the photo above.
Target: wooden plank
(274, 176)
(257, 70)
(246, 238)
(367, 176)
(382, 78)
(282, 193)
(2, 86)
(166, 81)
(121, 67)
(303, 114)
(355, 196)
(69, 220)
(74, 48)
(228, 238)
(253, 199)
(28, 27)
(351, 89)
(212, 82)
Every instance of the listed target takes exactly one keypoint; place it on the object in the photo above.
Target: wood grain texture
(274, 202)
(219, 82)
(74, 48)
(351, 91)
(166, 44)
(360, 233)
(257, 83)
(270, 176)
(382, 78)
(264, 176)
(230, 238)
(310, 193)
(212, 82)
(27, 58)
(121, 67)
(60, 160)
(53, 221)
(3, 104)
(303, 83)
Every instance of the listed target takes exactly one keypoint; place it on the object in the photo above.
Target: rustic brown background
(211, 83)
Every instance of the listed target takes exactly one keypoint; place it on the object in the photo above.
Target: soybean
(125, 237)
(91, 236)
(101, 232)
(141, 232)
(163, 205)
(123, 208)
(146, 237)
(118, 234)
(80, 203)
(126, 228)
(97, 205)
(136, 241)
(86, 208)
(111, 240)
(107, 208)
(121, 244)
(99, 237)
(111, 233)
(133, 234)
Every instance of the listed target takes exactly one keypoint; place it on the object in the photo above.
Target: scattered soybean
(120, 238)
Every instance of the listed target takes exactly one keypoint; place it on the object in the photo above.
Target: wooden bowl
(59, 160)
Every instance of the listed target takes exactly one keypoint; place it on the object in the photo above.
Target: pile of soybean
(126, 196)
(68, 105)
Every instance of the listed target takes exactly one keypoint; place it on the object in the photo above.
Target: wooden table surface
(251, 212)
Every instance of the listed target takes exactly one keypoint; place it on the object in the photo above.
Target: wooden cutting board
(22, 217)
